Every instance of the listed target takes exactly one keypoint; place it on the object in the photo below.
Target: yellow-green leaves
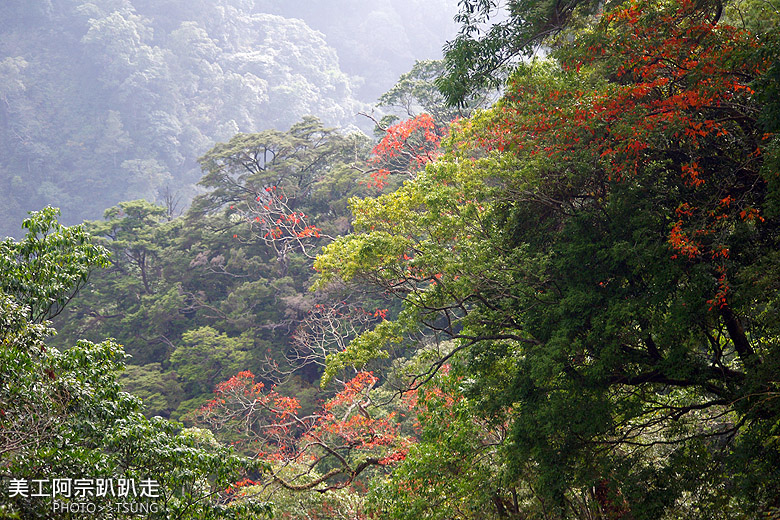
(46, 269)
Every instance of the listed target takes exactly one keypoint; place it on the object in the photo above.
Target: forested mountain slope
(110, 100)
(563, 306)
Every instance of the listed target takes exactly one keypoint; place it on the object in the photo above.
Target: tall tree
(601, 245)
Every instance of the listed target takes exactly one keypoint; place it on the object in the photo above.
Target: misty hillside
(110, 100)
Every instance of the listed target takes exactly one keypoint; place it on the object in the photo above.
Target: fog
(110, 100)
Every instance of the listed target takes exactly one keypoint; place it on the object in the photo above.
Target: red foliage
(405, 149)
(679, 85)
(343, 434)
(271, 217)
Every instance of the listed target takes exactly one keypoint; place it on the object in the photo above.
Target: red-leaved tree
(405, 149)
(323, 451)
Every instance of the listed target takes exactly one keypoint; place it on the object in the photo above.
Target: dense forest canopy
(601, 246)
(104, 101)
(560, 303)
